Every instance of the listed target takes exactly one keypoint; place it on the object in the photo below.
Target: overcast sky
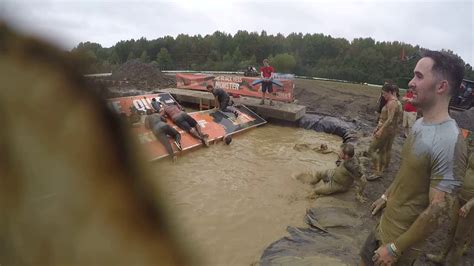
(433, 24)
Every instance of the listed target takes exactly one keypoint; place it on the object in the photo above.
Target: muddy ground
(359, 102)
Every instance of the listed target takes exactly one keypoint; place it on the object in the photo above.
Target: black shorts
(185, 122)
(267, 86)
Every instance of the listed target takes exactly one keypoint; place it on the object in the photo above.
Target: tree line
(359, 60)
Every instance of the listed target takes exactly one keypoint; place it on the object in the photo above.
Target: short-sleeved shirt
(172, 111)
(220, 94)
(433, 156)
(267, 71)
(408, 107)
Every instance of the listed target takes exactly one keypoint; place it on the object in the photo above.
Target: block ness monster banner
(215, 123)
(237, 85)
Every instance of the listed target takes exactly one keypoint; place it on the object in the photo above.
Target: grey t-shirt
(439, 143)
(433, 156)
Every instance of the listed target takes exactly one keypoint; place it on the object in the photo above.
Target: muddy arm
(360, 187)
(426, 223)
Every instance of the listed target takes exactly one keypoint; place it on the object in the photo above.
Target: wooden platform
(281, 111)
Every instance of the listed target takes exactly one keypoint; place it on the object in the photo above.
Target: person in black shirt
(157, 124)
(222, 99)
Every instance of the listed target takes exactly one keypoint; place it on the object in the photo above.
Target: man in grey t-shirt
(433, 163)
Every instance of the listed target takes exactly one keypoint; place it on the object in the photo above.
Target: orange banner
(235, 85)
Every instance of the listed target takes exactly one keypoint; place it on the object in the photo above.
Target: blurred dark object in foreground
(73, 189)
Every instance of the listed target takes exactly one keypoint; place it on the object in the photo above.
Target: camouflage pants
(323, 182)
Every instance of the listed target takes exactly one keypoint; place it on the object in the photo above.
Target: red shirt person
(409, 112)
(267, 85)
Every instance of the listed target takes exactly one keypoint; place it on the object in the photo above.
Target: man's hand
(378, 205)
(464, 211)
(375, 131)
(383, 257)
(361, 198)
(378, 133)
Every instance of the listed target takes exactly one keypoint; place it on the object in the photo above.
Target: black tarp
(331, 125)
(332, 233)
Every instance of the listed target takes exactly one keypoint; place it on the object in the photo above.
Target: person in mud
(336, 180)
(460, 231)
(157, 124)
(156, 105)
(433, 163)
(323, 148)
(222, 100)
(385, 132)
(185, 121)
(267, 76)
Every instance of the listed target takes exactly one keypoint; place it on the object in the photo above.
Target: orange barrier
(468, 136)
(215, 123)
(235, 85)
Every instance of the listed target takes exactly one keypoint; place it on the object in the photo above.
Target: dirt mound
(142, 74)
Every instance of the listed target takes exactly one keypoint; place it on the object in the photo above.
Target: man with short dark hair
(185, 122)
(338, 179)
(423, 192)
(222, 100)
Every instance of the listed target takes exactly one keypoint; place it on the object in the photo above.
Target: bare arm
(426, 223)
(216, 102)
(466, 208)
(381, 202)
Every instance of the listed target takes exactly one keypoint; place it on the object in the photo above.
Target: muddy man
(323, 148)
(335, 180)
(434, 156)
(460, 231)
(386, 130)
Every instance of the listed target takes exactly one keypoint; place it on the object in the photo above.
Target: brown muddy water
(231, 202)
